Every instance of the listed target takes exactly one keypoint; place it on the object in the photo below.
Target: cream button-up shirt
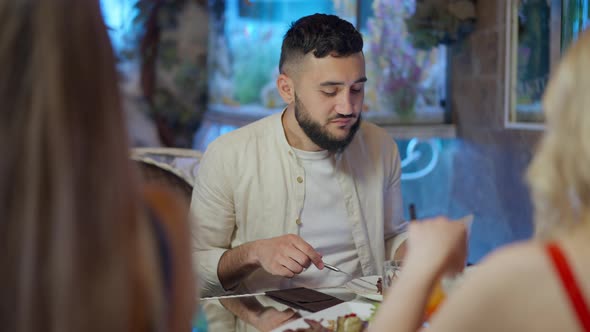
(250, 186)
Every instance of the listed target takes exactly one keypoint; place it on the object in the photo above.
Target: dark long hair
(69, 214)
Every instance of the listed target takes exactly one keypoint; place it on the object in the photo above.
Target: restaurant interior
(465, 135)
(457, 84)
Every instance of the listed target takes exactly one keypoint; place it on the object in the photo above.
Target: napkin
(304, 298)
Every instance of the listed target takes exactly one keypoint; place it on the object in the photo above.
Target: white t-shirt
(324, 223)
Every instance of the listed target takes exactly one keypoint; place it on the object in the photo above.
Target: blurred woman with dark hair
(82, 246)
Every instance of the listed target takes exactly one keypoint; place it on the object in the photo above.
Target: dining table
(261, 312)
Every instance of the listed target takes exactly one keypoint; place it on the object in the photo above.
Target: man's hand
(264, 318)
(286, 255)
(270, 318)
(400, 253)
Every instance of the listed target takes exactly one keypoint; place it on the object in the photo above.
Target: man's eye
(356, 90)
(330, 93)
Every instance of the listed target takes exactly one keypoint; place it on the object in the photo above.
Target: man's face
(319, 134)
(329, 95)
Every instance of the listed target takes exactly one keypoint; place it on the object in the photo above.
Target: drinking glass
(391, 270)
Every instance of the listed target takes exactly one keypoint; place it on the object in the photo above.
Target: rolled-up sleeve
(214, 214)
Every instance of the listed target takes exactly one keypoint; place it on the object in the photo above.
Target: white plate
(361, 309)
(365, 290)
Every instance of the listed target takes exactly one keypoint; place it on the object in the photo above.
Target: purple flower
(391, 51)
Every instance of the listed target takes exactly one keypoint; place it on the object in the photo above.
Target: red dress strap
(568, 281)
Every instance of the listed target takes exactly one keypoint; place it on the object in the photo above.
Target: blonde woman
(82, 246)
(539, 285)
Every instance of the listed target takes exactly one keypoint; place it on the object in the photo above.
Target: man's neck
(296, 137)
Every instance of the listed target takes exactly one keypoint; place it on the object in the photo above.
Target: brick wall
(491, 160)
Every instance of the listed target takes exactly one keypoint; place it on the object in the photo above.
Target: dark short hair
(321, 33)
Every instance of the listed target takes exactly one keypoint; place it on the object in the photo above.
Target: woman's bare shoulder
(520, 256)
(511, 271)
(502, 292)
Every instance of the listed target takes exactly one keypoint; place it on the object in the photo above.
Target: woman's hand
(436, 246)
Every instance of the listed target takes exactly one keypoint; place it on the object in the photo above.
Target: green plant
(436, 22)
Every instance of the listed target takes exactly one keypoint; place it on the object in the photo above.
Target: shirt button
(298, 221)
(299, 179)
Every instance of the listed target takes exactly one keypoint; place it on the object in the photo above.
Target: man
(276, 199)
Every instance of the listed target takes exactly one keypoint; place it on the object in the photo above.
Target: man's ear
(286, 88)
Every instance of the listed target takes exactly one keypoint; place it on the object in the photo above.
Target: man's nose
(345, 104)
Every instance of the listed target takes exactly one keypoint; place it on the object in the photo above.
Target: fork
(333, 268)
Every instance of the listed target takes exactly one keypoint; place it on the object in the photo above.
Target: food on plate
(347, 323)
(350, 323)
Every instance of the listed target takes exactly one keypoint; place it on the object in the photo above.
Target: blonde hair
(558, 175)
(70, 240)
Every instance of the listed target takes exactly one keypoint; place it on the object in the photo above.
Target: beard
(319, 134)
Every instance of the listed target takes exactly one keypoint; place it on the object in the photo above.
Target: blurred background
(457, 84)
